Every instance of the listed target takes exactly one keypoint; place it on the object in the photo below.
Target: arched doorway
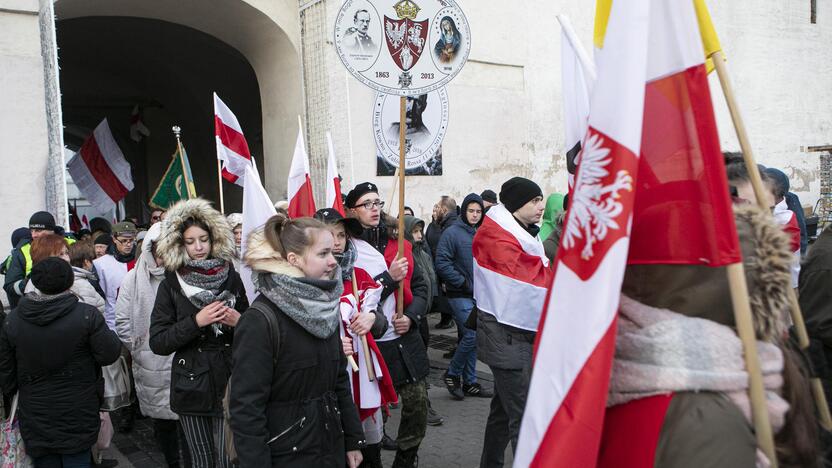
(168, 58)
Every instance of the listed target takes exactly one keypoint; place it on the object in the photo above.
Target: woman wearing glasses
(194, 316)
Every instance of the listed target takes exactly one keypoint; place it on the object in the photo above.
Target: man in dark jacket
(20, 265)
(402, 347)
(507, 243)
(444, 214)
(60, 388)
(455, 265)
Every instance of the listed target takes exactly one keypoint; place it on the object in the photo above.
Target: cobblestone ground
(456, 443)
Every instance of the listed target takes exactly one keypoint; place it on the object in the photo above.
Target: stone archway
(245, 50)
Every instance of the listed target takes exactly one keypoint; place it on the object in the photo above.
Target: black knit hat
(42, 220)
(518, 191)
(103, 239)
(489, 196)
(52, 275)
(332, 216)
(359, 191)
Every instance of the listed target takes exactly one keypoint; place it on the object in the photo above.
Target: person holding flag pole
(716, 60)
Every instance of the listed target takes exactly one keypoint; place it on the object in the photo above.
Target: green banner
(176, 184)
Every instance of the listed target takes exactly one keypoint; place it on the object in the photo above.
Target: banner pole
(368, 360)
(177, 131)
(757, 184)
(219, 187)
(402, 128)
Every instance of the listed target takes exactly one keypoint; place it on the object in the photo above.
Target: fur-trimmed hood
(262, 258)
(170, 246)
(701, 291)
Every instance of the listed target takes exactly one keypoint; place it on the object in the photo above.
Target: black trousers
(511, 386)
(170, 438)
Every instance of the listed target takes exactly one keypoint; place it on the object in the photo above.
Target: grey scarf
(209, 275)
(312, 303)
(346, 261)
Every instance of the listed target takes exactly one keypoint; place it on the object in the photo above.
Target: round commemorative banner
(426, 122)
(404, 47)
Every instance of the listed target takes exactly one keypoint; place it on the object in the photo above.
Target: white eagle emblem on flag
(594, 206)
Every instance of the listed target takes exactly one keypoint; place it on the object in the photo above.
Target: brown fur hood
(700, 291)
(170, 246)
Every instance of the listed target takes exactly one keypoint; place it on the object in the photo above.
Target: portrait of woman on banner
(449, 41)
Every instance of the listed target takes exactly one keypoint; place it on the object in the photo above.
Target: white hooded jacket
(132, 315)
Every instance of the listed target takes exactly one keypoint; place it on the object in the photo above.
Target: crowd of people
(336, 332)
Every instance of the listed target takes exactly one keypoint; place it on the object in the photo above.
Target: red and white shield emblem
(406, 40)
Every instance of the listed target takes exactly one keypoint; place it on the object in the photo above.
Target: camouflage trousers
(414, 403)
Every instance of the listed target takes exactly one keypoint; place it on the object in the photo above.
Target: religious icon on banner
(426, 121)
(403, 47)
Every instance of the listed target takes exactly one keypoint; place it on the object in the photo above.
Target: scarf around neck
(202, 282)
(311, 303)
(346, 261)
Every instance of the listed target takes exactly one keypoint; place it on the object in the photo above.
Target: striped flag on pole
(232, 148)
(333, 180)
(299, 188)
(100, 171)
(564, 412)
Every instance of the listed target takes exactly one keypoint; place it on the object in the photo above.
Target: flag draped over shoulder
(564, 414)
(177, 183)
(232, 147)
(100, 171)
(299, 187)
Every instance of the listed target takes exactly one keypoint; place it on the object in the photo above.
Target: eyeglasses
(371, 204)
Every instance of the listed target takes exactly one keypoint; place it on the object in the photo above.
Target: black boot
(406, 458)
(372, 456)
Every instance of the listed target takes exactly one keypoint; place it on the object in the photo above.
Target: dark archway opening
(111, 64)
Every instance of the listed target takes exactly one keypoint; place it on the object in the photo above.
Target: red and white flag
(333, 180)
(137, 128)
(511, 271)
(232, 148)
(100, 171)
(299, 188)
(567, 397)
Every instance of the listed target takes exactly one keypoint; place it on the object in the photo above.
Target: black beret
(359, 191)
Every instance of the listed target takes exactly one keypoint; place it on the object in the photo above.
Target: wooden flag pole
(219, 187)
(757, 184)
(368, 359)
(402, 128)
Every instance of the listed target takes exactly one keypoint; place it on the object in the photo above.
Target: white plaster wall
(505, 106)
(24, 147)
(781, 67)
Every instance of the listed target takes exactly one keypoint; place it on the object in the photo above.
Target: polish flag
(232, 148)
(333, 181)
(565, 406)
(577, 75)
(100, 171)
(301, 201)
(788, 220)
(137, 128)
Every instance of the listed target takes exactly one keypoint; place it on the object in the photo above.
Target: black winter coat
(202, 361)
(52, 352)
(290, 407)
